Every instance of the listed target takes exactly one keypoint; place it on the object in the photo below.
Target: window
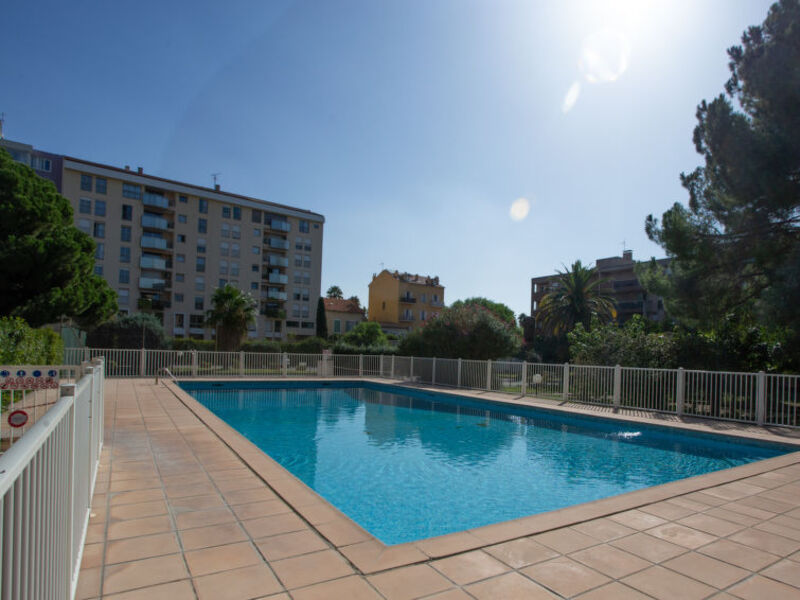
(256, 232)
(305, 294)
(295, 310)
(435, 298)
(183, 199)
(226, 230)
(179, 276)
(123, 296)
(234, 250)
(200, 284)
(100, 208)
(182, 219)
(256, 216)
(306, 262)
(422, 298)
(304, 311)
(349, 325)
(202, 206)
(179, 320)
(202, 225)
(298, 260)
(256, 249)
(124, 254)
(383, 305)
(222, 283)
(237, 213)
(130, 190)
(236, 232)
(41, 164)
(124, 276)
(85, 206)
(196, 321)
(179, 298)
(100, 185)
(198, 303)
(181, 238)
(226, 212)
(224, 248)
(125, 233)
(200, 264)
(254, 268)
(298, 243)
(234, 268)
(337, 326)
(295, 293)
(99, 230)
(86, 183)
(181, 258)
(127, 212)
(253, 285)
(303, 226)
(223, 267)
(201, 246)
(100, 251)
(422, 315)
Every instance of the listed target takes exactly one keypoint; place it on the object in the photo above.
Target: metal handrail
(168, 372)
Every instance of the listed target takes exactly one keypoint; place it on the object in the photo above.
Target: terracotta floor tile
(454, 594)
(664, 584)
(565, 540)
(238, 584)
(761, 588)
(648, 547)
(610, 561)
(565, 576)
(127, 485)
(604, 530)
(221, 558)
(739, 555)
(711, 525)
(136, 496)
(706, 569)
(245, 496)
(273, 525)
(138, 510)
(733, 517)
(469, 567)
(511, 586)
(201, 518)
(768, 542)
(667, 510)
(92, 556)
(343, 532)
(309, 569)
(372, 556)
(195, 489)
(213, 535)
(351, 588)
(638, 519)
(521, 553)
(291, 544)
(88, 583)
(139, 527)
(778, 529)
(681, 535)
(614, 591)
(95, 533)
(189, 503)
(142, 573)
(141, 547)
(247, 482)
(260, 509)
(407, 583)
(177, 590)
(786, 571)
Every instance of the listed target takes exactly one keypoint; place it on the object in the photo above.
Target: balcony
(278, 243)
(406, 318)
(155, 243)
(408, 299)
(277, 261)
(178, 331)
(155, 200)
(278, 278)
(437, 303)
(274, 313)
(276, 294)
(153, 262)
(153, 283)
(155, 222)
(276, 225)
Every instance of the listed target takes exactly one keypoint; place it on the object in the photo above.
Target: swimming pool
(407, 464)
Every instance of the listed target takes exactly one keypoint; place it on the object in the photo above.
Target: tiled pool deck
(186, 508)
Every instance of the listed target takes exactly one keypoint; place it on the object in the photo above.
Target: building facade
(619, 281)
(402, 302)
(342, 315)
(165, 246)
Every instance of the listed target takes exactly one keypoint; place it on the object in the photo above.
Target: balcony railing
(280, 226)
(153, 283)
(408, 299)
(153, 262)
(277, 261)
(154, 222)
(278, 243)
(157, 243)
(438, 303)
(155, 200)
(278, 278)
(276, 294)
(406, 317)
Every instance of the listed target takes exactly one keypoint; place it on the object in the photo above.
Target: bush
(629, 346)
(344, 348)
(20, 344)
(310, 345)
(126, 332)
(366, 333)
(190, 344)
(263, 346)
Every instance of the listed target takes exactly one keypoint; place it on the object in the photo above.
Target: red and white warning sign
(18, 418)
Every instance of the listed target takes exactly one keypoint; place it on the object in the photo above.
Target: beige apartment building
(165, 245)
(401, 302)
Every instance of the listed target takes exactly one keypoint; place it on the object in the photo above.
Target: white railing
(765, 399)
(46, 483)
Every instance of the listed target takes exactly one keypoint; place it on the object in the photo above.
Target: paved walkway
(178, 515)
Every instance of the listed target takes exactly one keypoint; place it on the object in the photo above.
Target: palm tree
(576, 299)
(232, 312)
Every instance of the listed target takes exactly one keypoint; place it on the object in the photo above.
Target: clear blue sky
(412, 126)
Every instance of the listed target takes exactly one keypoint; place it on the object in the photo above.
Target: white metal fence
(748, 397)
(46, 483)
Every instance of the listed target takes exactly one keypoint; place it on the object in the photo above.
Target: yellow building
(401, 302)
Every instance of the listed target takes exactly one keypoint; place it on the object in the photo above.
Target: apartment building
(342, 315)
(401, 302)
(165, 245)
(620, 282)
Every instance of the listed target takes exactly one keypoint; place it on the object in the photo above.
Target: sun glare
(519, 209)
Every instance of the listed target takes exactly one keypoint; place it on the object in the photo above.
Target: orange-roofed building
(342, 315)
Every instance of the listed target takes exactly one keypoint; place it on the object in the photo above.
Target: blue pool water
(408, 465)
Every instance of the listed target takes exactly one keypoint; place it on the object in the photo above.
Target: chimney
(216, 186)
(139, 170)
(627, 255)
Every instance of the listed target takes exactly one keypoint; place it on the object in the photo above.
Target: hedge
(20, 344)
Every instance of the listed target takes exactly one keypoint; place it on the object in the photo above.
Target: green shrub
(190, 344)
(264, 346)
(22, 345)
(311, 345)
(127, 332)
(344, 348)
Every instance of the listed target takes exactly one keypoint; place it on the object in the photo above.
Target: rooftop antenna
(381, 266)
(214, 176)
(2, 120)
(624, 246)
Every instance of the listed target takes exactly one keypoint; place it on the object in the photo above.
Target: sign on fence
(28, 378)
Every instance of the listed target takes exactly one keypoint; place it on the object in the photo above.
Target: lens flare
(519, 209)
(571, 97)
(605, 56)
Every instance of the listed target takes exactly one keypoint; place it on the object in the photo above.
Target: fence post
(433, 371)
(524, 385)
(392, 372)
(458, 377)
(617, 385)
(381, 367)
(761, 398)
(142, 362)
(86, 354)
(194, 363)
(680, 392)
(241, 363)
(67, 390)
(565, 392)
(411, 371)
(285, 364)
(489, 375)
(360, 365)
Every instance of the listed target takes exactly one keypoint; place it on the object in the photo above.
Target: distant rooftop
(342, 305)
(409, 278)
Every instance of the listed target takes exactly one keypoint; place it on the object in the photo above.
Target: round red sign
(18, 418)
